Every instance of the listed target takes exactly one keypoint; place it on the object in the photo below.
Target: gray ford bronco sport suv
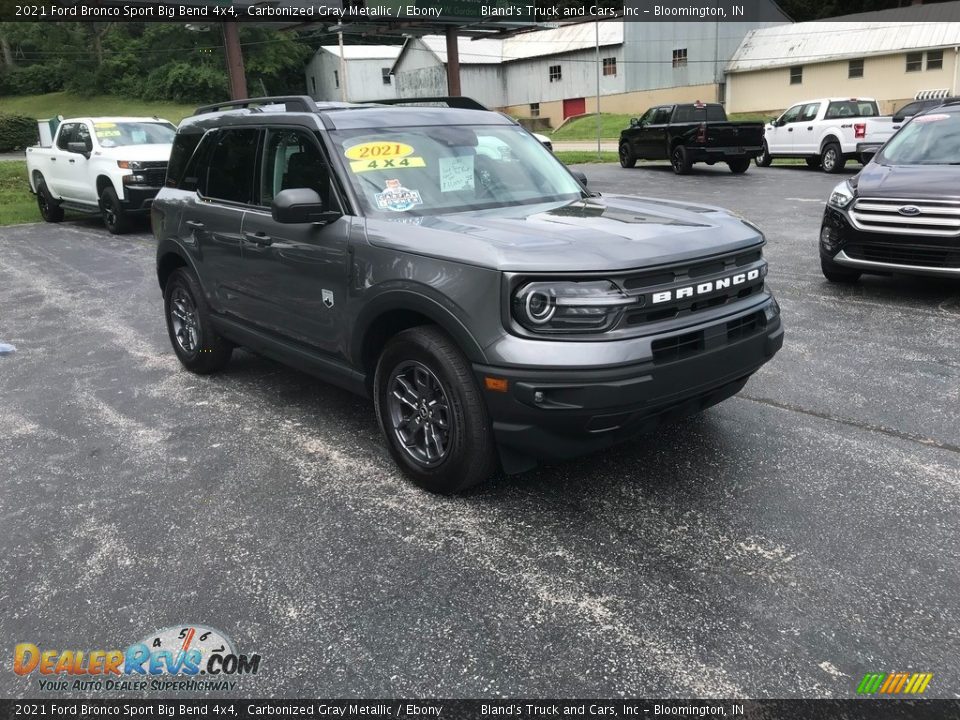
(442, 261)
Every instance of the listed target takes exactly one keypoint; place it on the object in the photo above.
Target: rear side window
(233, 166)
(183, 146)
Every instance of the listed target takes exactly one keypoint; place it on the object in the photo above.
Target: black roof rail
(452, 101)
(293, 103)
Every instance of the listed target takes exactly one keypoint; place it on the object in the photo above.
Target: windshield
(445, 169)
(117, 134)
(932, 139)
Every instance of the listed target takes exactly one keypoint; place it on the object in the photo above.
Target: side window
(83, 135)
(810, 112)
(194, 176)
(647, 117)
(68, 134)
(792, 115)
(662, 116)
(292, 159)
(233, 165)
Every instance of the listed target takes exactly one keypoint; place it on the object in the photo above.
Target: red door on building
(574, 106)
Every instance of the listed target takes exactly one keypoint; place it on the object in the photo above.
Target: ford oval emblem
(909, 210)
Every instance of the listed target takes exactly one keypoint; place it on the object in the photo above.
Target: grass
(574, 157)
(585, 128)
(17, 204)
(61, 103)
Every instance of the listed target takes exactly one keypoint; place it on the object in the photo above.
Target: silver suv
(443, 262)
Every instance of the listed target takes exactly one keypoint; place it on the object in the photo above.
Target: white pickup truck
(114, 166)
(825, 132)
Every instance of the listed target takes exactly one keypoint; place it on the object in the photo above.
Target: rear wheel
(194, 340)
(50, 211)
(739, 166)
(114, 217)
(837, 273)
(627, 158)
(813, 162)
(432, 413)
(680, 160)
(764, 159)
(831, 159)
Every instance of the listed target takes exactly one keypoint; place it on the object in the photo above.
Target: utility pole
(231, 44)
(596, 25)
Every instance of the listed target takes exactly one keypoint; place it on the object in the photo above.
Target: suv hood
(939, 182)
(614, 232)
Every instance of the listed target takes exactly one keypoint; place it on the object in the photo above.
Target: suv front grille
(907, 217)
(155, 176)
(679, 280)
(901, 253)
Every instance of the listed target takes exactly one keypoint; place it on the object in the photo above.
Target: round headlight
(540, 307)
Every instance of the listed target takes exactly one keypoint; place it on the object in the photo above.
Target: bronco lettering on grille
(704, 288)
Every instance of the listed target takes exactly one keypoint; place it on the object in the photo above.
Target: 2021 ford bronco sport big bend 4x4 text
(444, 262)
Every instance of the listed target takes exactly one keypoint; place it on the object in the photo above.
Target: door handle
(53, 159)
(810, 127)
(195, 225)
(789, 129)
(71, 160)
(258, 238)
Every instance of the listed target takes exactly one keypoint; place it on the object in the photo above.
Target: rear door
(222, 174)
(296, 275)
(806, 139)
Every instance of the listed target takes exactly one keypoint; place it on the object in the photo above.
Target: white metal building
(364, 73)
(889, 55)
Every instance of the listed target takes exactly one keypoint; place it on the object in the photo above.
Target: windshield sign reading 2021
(181, 650)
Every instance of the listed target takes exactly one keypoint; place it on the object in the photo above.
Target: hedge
(17, 132)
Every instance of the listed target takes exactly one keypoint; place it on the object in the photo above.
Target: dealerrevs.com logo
(189, 658)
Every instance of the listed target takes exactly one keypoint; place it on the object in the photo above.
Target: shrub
(17, 132)
(183, 82)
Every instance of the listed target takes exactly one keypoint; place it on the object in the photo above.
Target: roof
(364, 52)
(494, 51)
(917, 27)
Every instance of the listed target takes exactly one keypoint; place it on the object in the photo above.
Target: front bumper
(558, 414)
(138, 197)
(884, 253)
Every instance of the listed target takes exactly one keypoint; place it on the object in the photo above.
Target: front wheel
(680, 160)
(627, 158)
(191, 333)
(114, 217)
(50, 211)
(764, 159)
(831, 159)
(739, 166)
(431, 412)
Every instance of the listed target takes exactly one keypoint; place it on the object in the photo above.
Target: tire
(813, 162)
(680, 160)
(50, 211)
(422, 372)
(114, 217)
(763, 159)
(838, 274)
(194, 340)
(831, 159)
(739, 166)
(627, 158)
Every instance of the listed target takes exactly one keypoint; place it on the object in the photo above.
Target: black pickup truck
(690, 133)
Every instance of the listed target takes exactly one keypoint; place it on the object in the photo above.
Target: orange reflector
(495, 384)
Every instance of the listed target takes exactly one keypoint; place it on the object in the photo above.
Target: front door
(654, 135)
(780, 138)
(296, 275)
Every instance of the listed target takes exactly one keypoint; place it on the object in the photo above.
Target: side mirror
(580, 176)
(300, 205)
(898, 118)
(635, 122)
(78, 147)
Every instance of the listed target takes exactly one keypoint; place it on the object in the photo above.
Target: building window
(796, 75)
(855, 69)
(680, 57)
(385, 72)
(534, 109)
(555, 73)
(935, 60)
(610, 66)
(914, 62)
(336, 79)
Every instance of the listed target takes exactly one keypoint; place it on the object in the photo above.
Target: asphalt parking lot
(781, 544)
